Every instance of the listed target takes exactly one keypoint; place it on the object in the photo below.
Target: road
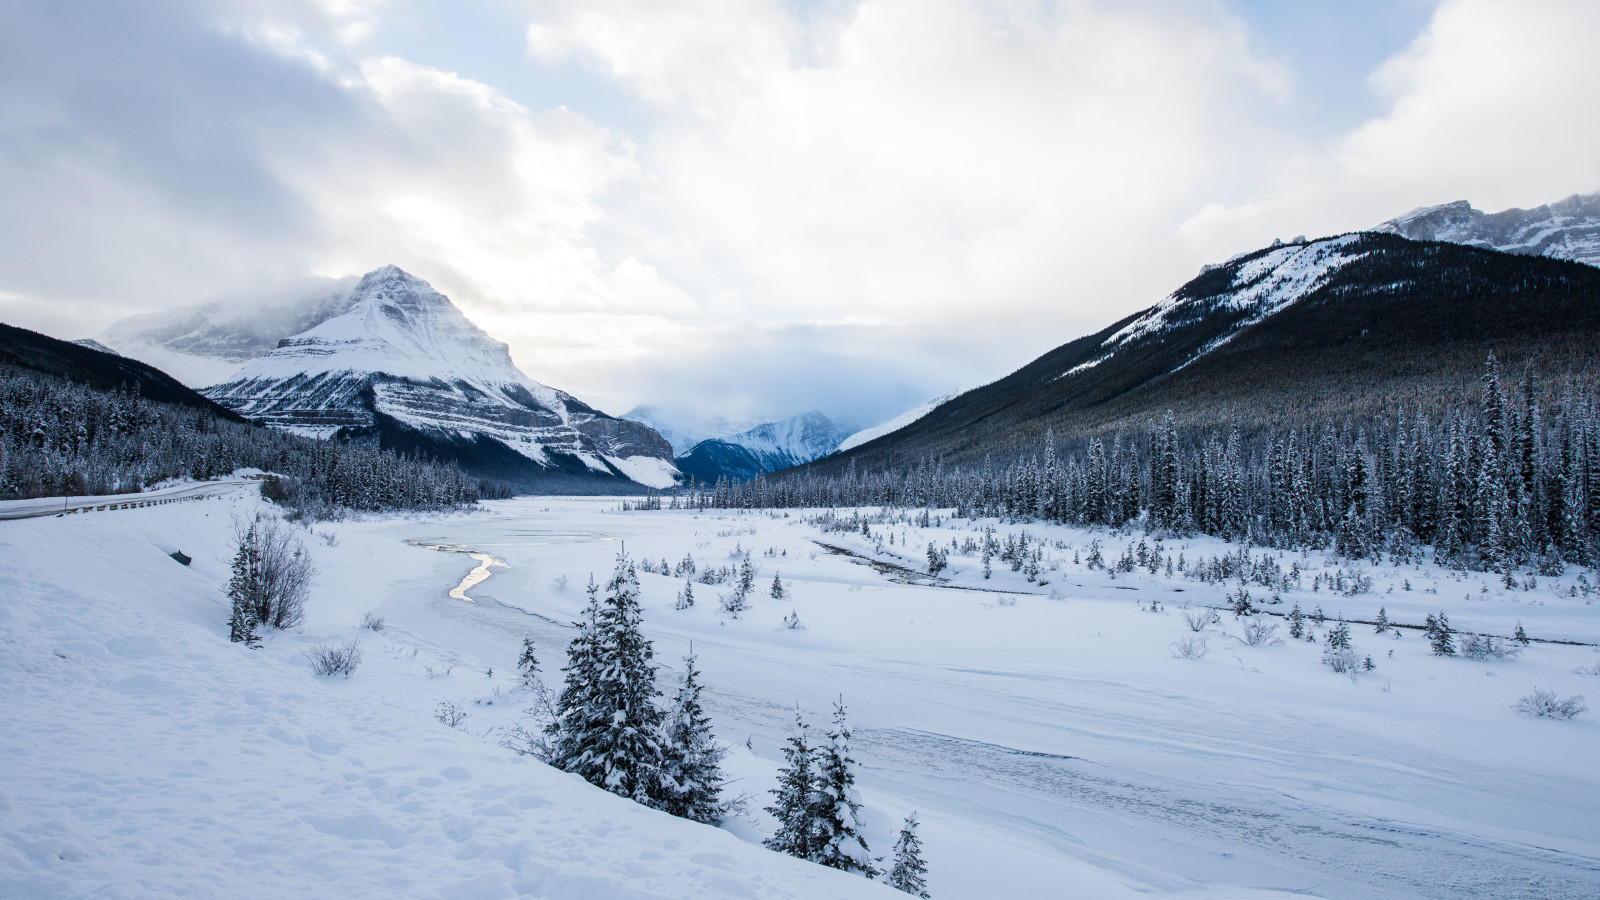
(56, 506)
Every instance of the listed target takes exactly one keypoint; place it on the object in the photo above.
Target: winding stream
(479, 574)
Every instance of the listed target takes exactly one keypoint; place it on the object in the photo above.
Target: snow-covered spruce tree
(837, 810)
(1382, 624)
(243, 588)
(609, 731)
(909, 872)
(797, 783)
(528, 664)
(1439, 639)
(686, 596)
(778, 592)
(1297, 622)
(692, 763)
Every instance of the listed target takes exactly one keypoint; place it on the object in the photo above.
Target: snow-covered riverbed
(1049, 739)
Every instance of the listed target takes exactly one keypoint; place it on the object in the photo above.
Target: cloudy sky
(755, 207)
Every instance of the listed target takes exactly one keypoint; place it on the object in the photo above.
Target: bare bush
(272, 572)
(1189, 648)
(1483, 647)
(1257, 634)
(450, 713)
(335, 659)
(1546, 705)
(1198, 619)
(372, 622)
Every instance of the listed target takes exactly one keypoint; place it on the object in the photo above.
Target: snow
(1045, 735)
(894, 424)
(647, 470)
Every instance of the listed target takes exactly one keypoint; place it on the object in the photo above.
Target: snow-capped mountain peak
(401, 356)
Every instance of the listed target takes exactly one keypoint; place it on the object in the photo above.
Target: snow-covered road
(56, 506)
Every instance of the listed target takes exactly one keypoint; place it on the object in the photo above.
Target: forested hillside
(1345, 330)
(60, 435)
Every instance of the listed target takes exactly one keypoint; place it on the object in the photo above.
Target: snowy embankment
(1048, 737)
(142, 754)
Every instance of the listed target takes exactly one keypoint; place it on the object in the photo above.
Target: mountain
(765, 448)
(1332, 330)
(98, 369)
(205, 344)
(401, 365)
(1566, 229)
(683, 429)
(891, 426)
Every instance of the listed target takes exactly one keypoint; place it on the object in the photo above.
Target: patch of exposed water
(479, 574)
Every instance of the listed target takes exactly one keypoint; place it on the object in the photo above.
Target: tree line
(1511, 480)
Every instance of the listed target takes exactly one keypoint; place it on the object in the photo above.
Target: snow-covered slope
(201, 345)
(95, 345)
(143, 755)
(401, 354)
(1247, 290)
(893, 425)
(1566, 229)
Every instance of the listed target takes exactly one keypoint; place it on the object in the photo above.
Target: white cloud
(1493, 103)
(760, 206)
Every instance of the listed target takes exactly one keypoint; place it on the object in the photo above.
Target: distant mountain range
(765, 448)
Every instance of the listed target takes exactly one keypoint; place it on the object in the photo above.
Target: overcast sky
(755, 207)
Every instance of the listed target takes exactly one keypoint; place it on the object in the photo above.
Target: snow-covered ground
(1049, 739)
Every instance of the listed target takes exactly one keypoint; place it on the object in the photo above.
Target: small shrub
(1198, 619)
(450, 713)
(1546, 705)
(335, 659)
(1189, 648)
(1484, 647)
(792, 621)
(1257, 634)
(372, 622)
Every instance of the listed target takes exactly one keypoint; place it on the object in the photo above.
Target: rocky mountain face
(1328, 330)
(1566, 229)
(765, 448)
(400, 364)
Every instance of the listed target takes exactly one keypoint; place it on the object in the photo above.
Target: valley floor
(1048, 737)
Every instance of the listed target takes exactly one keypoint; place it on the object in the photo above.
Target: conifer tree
(528, 664)
(778, 592)
(797, 785)
(1382, 625)
(1520, 636)
(1439, 639)
(691, 766)
(1297, 622)
(909, 872)
(836, 813)
(244, 592)
(610, 732)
